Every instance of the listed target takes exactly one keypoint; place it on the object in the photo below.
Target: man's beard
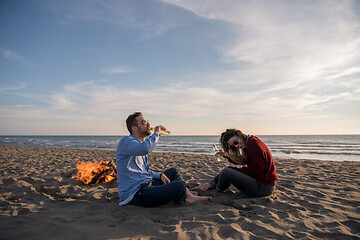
(147, 133)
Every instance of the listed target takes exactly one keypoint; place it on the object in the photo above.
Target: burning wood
(96, 172)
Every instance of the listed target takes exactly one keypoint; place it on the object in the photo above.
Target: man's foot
(190, 198)
(197, 199)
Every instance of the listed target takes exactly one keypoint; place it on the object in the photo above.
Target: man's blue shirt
(132, 165)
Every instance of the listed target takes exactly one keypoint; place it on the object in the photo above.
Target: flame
(95, 172)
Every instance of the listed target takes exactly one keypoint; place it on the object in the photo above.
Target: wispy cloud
(297, 55)
(153, 18)
(102, 102)
(96, 96)
(4, 88)
(186, 101)
(117, 70)
(11, 55)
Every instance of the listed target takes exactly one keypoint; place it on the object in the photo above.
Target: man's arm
(133, 147)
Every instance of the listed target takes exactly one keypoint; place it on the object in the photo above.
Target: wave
(289, 151)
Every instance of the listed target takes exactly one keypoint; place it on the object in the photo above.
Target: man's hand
(164, 178)
(158, 128)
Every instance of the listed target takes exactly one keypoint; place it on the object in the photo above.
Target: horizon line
(180, 135)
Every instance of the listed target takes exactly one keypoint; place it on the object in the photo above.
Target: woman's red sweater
(259, 161)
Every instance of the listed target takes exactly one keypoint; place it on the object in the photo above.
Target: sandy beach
(40, 199)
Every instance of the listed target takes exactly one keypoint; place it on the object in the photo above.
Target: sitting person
(139, 186)
(255, 174)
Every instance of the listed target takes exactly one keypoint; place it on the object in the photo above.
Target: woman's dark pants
(241, 181)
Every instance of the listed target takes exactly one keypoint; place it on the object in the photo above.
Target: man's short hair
(131, 120)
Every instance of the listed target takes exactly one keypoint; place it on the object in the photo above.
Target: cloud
(151, 17)
(104, 103)
(279, 30)
(12, 88)
(11, 55)
(291, 53)
(186, 101)
(117, 70)
(97, 96)
(24, 113)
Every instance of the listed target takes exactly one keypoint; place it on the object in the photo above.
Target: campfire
(96, 172)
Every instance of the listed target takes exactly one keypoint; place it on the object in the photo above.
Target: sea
(302, 147)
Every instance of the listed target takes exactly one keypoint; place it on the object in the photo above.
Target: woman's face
(236, 142)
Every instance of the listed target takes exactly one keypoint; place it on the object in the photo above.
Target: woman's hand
(203, 187)
(221, 153)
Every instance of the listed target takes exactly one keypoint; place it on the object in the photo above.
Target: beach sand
(41, 200)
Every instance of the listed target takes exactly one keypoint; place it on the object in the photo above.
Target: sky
(77, 67)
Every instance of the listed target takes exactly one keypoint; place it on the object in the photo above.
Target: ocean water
(318, 147)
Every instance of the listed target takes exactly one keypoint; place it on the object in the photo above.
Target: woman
(255, 174)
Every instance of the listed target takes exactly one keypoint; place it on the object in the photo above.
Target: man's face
(143, 126)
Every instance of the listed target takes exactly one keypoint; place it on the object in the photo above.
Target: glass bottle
(163, 131)
(216, 153)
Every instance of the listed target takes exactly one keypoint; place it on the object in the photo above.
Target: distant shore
(41, 200)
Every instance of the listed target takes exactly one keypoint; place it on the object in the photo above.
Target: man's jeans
(155, 193)
(241, 181)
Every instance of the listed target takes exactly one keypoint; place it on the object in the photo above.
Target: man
(136, 184)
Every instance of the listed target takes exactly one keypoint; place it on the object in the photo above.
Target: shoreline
(39, 199)
(185, 153)
(316, 147)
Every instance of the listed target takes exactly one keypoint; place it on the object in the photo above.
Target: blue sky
(197, 67)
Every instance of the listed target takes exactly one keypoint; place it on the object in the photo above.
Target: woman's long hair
(234, 155)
